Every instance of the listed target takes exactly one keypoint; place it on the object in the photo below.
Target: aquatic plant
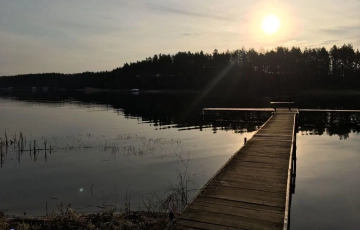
(126, 144)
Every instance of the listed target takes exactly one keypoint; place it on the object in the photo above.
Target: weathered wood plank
(240, 211)
(248, 187)
(249, 196)
(230, 203)
(263, 160)
(268, 187)
(228, 220)
(190, 225)
(271, 174)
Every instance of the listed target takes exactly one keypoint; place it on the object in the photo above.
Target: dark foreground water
(134, 150)
(327, 183)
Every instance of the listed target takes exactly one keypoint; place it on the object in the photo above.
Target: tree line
(280, 69)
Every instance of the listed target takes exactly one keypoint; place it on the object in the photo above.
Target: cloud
(340, 30)
(173, 10)
(329, 42)
(189, 34)
(295, 42)
(87, 28)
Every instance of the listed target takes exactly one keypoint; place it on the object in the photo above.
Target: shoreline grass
(70, 219)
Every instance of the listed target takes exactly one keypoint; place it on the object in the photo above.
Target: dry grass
(105, 220)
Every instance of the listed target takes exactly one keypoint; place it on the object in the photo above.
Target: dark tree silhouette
(278, 70)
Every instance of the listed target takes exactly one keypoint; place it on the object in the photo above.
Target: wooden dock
(253, 189)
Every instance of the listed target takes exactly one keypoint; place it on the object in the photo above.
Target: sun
(271, 24)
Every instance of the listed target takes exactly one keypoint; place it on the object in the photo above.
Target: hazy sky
(94, 35)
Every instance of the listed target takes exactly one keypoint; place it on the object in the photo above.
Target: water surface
(102, 156)
(327, 183)
(120, 148)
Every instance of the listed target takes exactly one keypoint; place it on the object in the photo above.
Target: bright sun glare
(271, 24)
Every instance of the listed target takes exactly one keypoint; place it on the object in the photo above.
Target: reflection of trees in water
(331, 123)
(162, 110)
(238, 120)
(235, 126)
(179, 110)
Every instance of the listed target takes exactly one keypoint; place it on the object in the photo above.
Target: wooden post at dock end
(245, 140)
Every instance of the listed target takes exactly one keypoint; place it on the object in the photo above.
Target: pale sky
(69, 36)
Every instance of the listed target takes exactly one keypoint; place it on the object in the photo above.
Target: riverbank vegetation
(70, 219)
(284, 69)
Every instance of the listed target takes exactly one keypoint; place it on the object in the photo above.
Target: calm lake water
(120, 149)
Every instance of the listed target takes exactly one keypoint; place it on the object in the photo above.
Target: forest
(279, 70)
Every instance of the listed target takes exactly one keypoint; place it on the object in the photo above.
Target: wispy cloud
(87, 27)
(189, 34)
(330, 42)
(295, 42)
(173, 10)
(340, 30)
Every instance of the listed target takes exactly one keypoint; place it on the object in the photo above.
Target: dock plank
(239, 211)
(225, 220)
(194, 225)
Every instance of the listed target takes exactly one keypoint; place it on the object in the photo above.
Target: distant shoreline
(177, 91)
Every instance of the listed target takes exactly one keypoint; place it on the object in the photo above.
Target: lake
(123, 150)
